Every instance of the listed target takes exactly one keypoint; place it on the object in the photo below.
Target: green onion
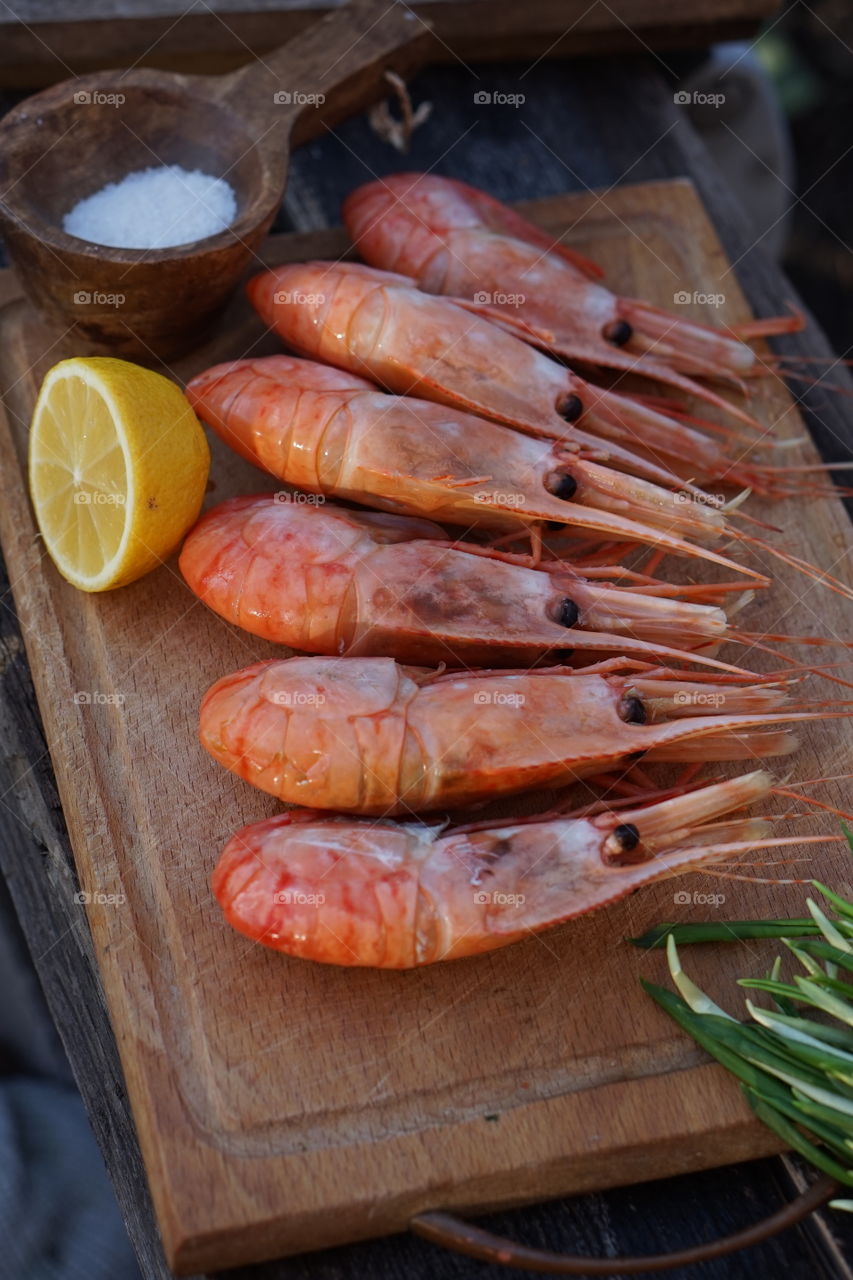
(795, 1138)
(726, 931)
(823, 951)
(796, 1071)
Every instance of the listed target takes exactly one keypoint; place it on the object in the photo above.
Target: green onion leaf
(725, 931)
(823, 951)
(796, 1069)
(696, 999)
(827, 928)
(782, 1026)
(792, 1136)
(842, 906)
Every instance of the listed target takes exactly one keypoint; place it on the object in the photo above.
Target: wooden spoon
(69, 141)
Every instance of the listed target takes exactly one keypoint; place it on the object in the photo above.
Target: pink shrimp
(331, 581)
(378, 325)
(395, 896)
(364, 735)
(333, 433)
(458, 241)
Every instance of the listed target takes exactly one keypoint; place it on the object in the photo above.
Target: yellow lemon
(118, 469)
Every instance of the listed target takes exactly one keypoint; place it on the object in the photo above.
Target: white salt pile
(154, 209)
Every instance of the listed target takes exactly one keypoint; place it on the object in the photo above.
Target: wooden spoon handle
(331, 70)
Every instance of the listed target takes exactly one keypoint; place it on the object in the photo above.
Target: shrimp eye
(628, 836)
(567, 613)
(621, 844)
(562, 485)
(618, 332)
(570, 407)
(632, 710)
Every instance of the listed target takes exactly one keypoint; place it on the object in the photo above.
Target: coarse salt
(154, 209)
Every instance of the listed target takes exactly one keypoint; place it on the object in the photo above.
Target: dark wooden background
(583, 125)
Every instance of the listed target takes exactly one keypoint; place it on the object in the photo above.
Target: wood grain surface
(48, 40)
(282, 1106)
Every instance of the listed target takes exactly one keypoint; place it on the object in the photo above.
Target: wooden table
(585, 125)
(46, 40)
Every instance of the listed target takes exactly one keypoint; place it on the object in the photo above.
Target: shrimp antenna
(818, 804)
(752, 642)
(769, 327)
(795, 562)
(712, 868)
(814, 782)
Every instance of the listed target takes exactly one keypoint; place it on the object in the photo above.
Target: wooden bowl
(67, 142)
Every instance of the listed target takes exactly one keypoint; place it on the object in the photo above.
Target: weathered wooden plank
(43, 41)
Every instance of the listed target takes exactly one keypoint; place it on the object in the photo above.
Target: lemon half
(118, 469)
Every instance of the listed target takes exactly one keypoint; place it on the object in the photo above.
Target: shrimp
(331, 581)
(458, 241)
(366, 735)
(378, 325)
(393, 896)
(330, 432)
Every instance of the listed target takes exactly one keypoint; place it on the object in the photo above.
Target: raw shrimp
(331, 581)
(378, 325)
(364, 735)
(333, 433)
(458, 241)
(394, 896)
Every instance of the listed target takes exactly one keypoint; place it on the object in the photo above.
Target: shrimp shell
(331, 581)
(331, 432)
(378, 325)
(395, 896)
(366, 735)
(458, 241)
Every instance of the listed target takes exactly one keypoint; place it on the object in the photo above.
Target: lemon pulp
(118, 469)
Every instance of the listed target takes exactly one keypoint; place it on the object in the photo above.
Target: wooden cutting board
(282, 1106)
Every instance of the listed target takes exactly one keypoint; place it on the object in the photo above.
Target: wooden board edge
(677, 1148)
